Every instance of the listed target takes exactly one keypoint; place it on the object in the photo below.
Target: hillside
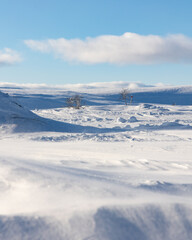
(44, 96)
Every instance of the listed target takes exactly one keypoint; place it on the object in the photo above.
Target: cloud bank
(9, 57)
(129, 48)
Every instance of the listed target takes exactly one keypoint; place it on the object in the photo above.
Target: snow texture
(106, 171)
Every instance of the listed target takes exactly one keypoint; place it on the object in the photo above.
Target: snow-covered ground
(105, 171)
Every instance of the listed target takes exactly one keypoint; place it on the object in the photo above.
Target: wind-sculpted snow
(106, 171)
(134, 222)
(96, 190)
(16, 118)
(114, 123)
(144, 223)
(28, 227)
(185, 189)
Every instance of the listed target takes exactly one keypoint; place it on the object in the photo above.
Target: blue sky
(152, 51)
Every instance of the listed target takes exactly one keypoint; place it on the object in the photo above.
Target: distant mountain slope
(45, 97)
(176, 96)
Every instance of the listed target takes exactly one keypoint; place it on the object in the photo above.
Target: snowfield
(105, 171)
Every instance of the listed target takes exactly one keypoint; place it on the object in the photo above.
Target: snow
(104, 171)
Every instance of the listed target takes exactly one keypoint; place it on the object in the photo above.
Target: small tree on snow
(77, 101)
(124, 95)
(74, 101)
(69, 102)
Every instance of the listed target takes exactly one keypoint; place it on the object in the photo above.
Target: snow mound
(121, 120)
(132, 119)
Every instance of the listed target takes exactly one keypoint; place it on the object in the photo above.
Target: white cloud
(9, 57)
(129, 48)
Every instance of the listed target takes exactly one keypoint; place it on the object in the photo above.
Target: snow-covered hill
(15, 118)
(44, 96)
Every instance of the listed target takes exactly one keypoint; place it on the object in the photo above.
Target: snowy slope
(44, 96)
(16, 118)
(13, 116)
(103, 172)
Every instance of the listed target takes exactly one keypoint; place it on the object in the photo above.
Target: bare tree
(74, 101)
(77, 101)
(124, 95)
(69, 102)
